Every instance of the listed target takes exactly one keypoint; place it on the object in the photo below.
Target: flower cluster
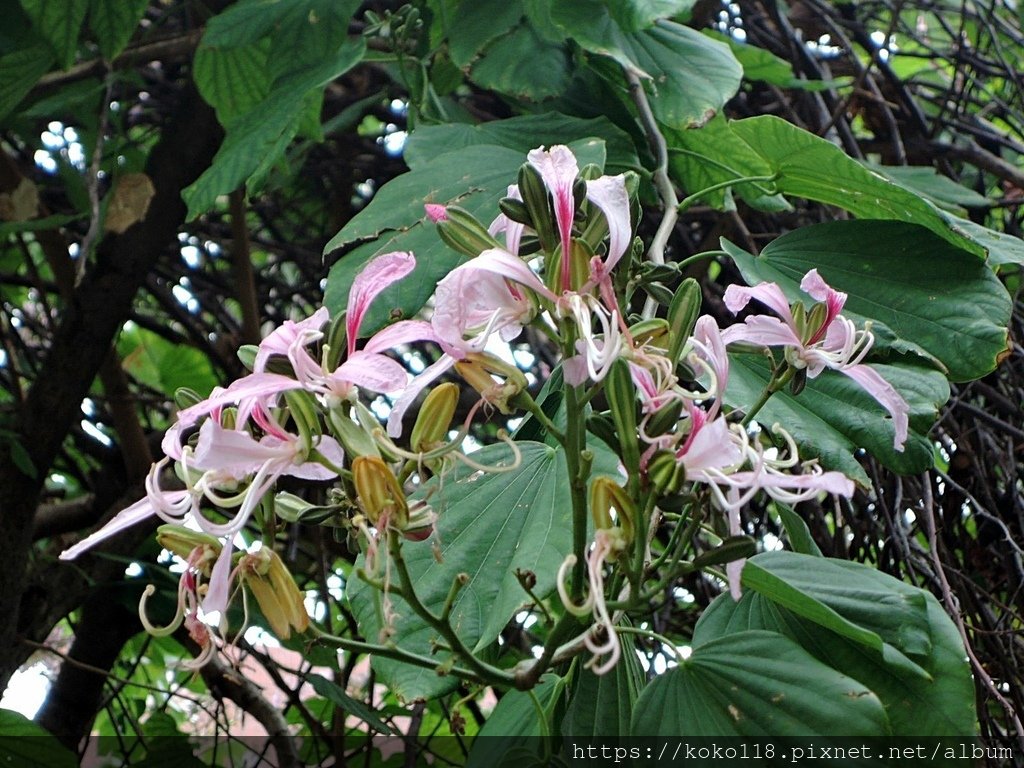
(565, 233)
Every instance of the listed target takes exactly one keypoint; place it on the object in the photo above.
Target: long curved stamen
(179, 615)
(581, 609)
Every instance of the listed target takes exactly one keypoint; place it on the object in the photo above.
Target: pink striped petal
(281, 340)
(126, 518)
(557, 167)
(417, 385)
(609, 194)
(764, 330)
(887, 396)
(403, 332)
(819, 290)
(368, 370)
(377, 275)
(769, 294)
(503, 263)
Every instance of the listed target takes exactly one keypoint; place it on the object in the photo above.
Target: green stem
(721, 165)
(525, 401)
(390, 652)
(691, 199)
(481, 670)
(654, 636)
(773, 386)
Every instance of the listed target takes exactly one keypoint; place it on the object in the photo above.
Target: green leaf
(489, 525)
(752, 684)
(833, 417)
(523, 134)
(337, 696)
(797, 532)
(478, 22)
(157, 363)
(523, 64)
(941, 704)
(113, 22)
(712, 154)
(811, 167)
(914, 286)
(256, 139)
(689, 76)
(1003, 249)
(852, 599)
(514, 727)
(27, 745)
(475, 178)
(232, 80)
(59, 23)
(634, 15)
(764, 66)
(931, 185)
(19, 71)
(602, 706)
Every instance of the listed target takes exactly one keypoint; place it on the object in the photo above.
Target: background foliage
(178, 177)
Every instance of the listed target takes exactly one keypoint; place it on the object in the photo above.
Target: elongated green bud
(353, 437)
(732, 548)
(665, 474)
(682, 317)
(607, 495)
(295, 509)
(185, 397)
(665, 418)
(462, 232)
(303, 408)
(621, 394)
(515, 210)
(537, 201)
(654, 331)
(477, 369)
(434, 418)
(274, 588)
(247, 355)
(379, 492)
(335, 341)
(183, 541)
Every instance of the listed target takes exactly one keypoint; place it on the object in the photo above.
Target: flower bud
(665, 474)
(654, 331)
(682, 317)
(434, 417)
(621, 394)
(515, 210)
(183, 541)
(477, 369)
(606, 495)
(379, 492)
(436, 212)
(664, 419)
(274, 588)
(462, 232)
(421, 522)
(353, 436)
(538, 204)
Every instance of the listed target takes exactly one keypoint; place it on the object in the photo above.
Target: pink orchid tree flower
(833, 343)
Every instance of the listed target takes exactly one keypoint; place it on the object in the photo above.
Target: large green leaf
(930, 184)
(113, 22)
(256, 138)
(752, 684)
(914, 286)
(27, 745)
(852, 599)
(713, 154)
(337, 696)
(163, 365)
(489, 526)
(232, 80)
(1003, 249)
(939, 704)
(510, 736)
(811, 167)
(477, 22)
(690, 76)
(59, 22)
(523, 64)
(475, 178)
(523, 134)
(601, 706)
(19, 71)
(833, 417)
